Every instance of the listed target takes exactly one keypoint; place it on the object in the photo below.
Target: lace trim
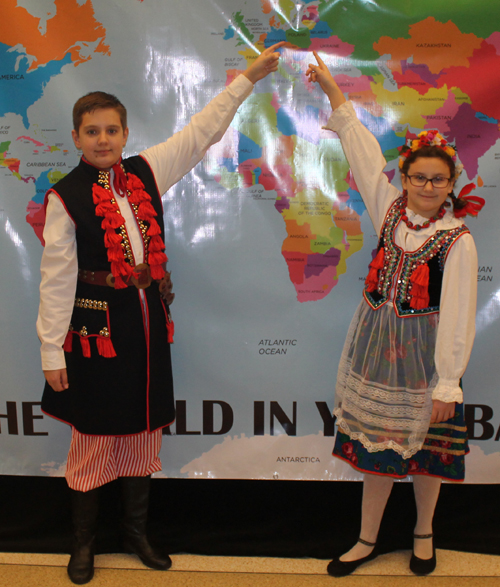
(349, 381)
(414, 445)
(405, 420)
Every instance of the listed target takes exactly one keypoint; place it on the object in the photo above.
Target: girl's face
(427, 199)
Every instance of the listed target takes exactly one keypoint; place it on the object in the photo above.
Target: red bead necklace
(426, 224)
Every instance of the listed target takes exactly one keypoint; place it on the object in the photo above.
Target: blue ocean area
(25, 88)
(248, 149)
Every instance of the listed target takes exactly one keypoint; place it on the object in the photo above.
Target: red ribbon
(120, 179)
(474, 203)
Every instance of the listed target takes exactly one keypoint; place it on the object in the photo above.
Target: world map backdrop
(268, 238)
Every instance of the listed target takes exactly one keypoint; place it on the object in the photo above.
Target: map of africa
(268, 237)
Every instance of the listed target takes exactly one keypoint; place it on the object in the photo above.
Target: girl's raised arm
(319, 73)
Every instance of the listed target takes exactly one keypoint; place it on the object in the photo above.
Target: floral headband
(430, 138)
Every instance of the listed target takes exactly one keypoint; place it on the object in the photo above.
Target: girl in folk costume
(104, 327)
(398, 396)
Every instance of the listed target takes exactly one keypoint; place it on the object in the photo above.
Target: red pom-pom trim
(420, 287)
(371, 280)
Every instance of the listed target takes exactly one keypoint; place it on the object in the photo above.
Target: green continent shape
(300, 38)
(4, 146)
(241, 30)
(363, 23)
(54, 176)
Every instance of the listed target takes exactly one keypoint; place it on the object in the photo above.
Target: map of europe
(402, 78)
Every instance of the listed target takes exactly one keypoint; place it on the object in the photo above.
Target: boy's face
(101, 137)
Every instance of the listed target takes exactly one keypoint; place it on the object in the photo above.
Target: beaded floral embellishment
(390, 258)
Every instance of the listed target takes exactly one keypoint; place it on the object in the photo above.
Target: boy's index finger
(273, 48)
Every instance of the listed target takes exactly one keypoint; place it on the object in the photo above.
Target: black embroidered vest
(399, 265)
(75, 191)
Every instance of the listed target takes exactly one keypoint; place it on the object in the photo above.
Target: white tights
(376, 491)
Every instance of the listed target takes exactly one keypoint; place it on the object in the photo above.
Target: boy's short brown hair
(97, 101)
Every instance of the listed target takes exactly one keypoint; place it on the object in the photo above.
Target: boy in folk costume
(104, 321)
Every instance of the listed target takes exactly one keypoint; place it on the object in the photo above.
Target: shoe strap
(422, 536)
(366, 543)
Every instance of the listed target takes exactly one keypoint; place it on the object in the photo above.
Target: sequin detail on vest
(401, 265)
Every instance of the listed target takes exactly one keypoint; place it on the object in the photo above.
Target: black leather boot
(135, 491)
(84, 510)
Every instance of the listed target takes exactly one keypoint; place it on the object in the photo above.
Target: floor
(455, 569)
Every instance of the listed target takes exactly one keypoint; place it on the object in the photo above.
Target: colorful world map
(427, 78)
(418, 76)
(268, 236)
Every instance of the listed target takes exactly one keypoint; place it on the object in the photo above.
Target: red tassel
(99, 194)
(371, 280)
(115, 253)
(112, 238)
(146, 210)
(153, 229)
(170, 329)
(68, 342)
(420, 287)
(85, 346)
(134, 183)
(103, 208)
(155, 245)
(112, 221)
(105, 347)
(157, 272)
(156, 258)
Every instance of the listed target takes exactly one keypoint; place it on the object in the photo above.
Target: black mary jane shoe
(338, 568)
(423, 566)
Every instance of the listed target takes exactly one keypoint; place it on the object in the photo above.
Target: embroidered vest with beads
(75, 191)
(399, 266)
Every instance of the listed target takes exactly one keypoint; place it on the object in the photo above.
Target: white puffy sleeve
(457, 318)
(366, 161)
(59, 268)
(171, 160)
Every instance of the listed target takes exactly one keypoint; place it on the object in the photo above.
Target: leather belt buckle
(143, 279)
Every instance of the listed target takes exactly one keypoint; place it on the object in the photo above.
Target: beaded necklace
(426, 224)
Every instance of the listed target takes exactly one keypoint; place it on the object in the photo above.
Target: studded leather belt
(141, 277)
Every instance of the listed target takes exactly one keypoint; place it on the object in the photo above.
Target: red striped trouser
(96, 460)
